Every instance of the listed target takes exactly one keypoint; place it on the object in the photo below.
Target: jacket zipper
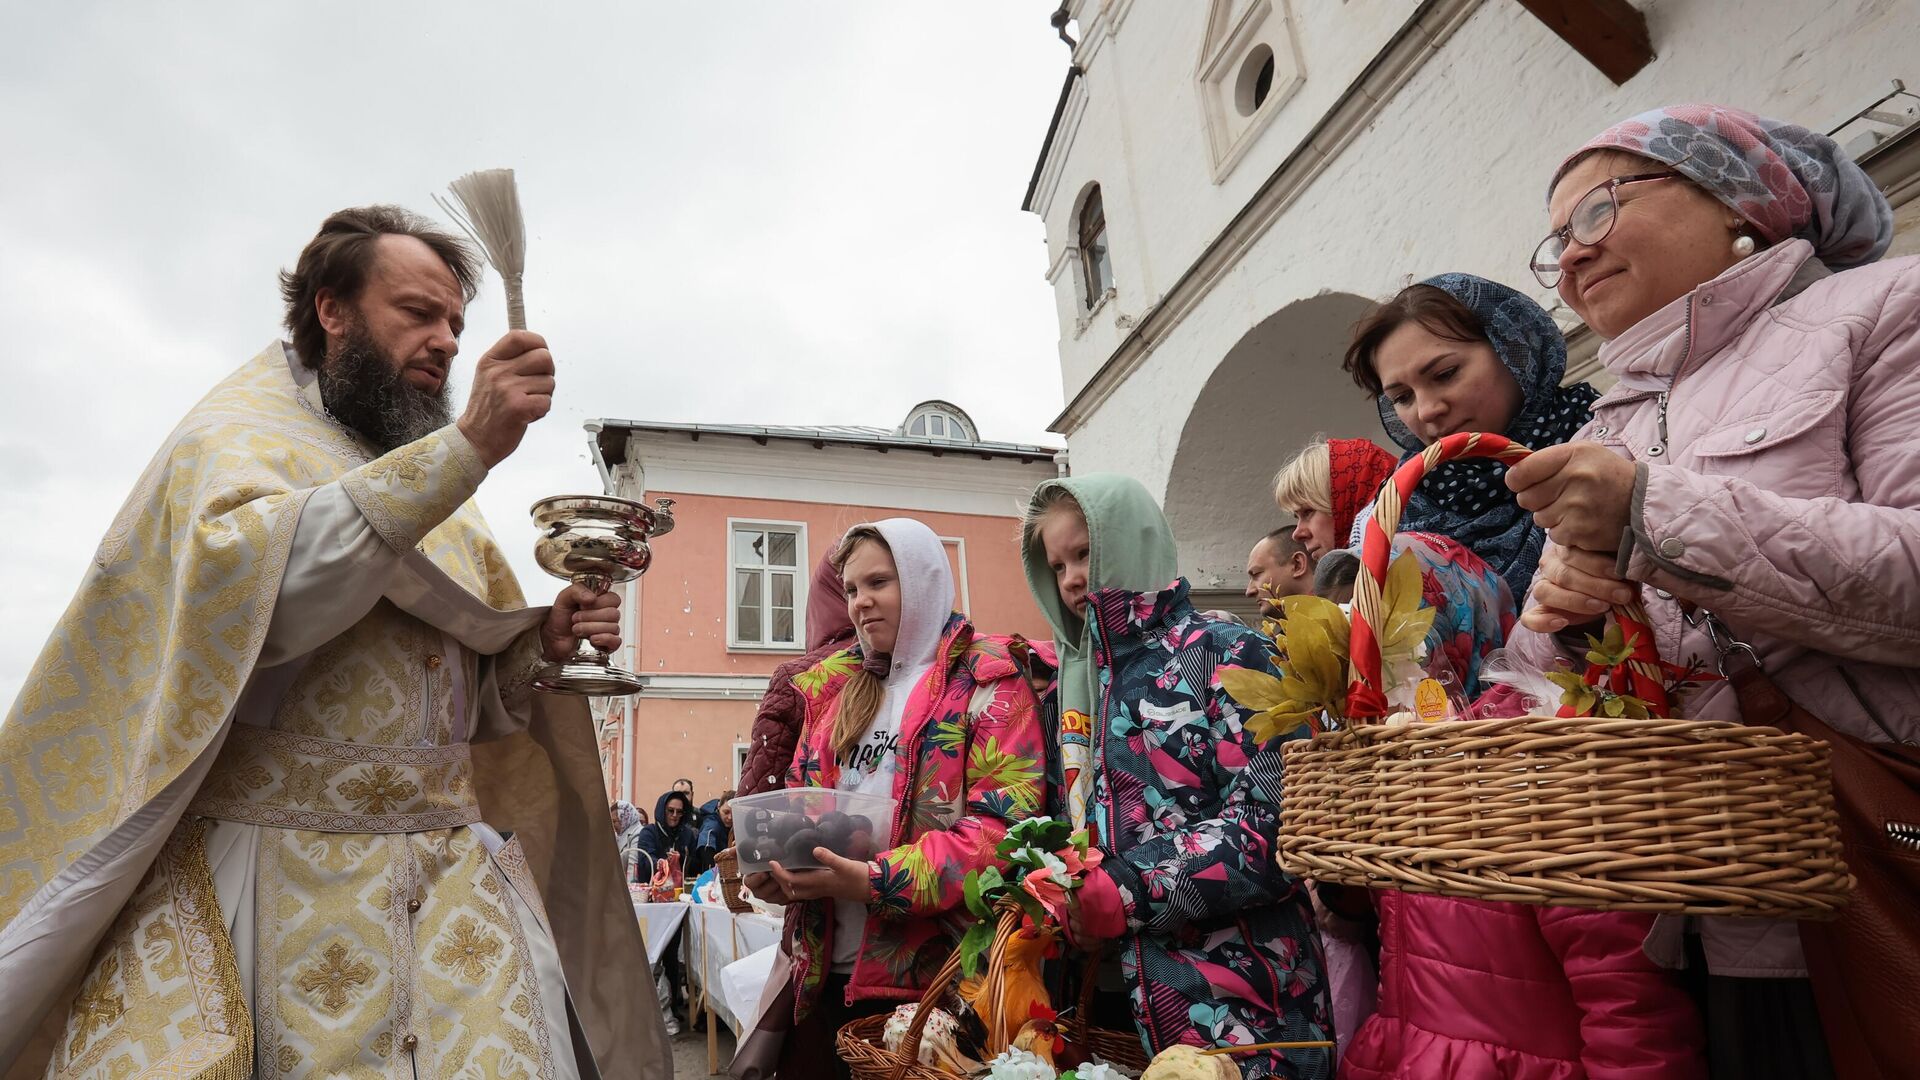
(1659, 448)
(897, 834)
(1104, 654)
(1904, 833)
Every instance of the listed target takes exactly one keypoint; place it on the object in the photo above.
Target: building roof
(1053, 129)
(607, 433)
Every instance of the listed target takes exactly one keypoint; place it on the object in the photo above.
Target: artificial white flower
(1100, 1070)
(1019, 1065)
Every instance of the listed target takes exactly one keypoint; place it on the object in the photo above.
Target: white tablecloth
(743, 985)
(716, 938)
(658, 922)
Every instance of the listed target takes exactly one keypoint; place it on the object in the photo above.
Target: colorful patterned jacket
(970, 765)
(1219, 946)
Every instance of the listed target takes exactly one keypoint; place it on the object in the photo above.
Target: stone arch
(1278, 387)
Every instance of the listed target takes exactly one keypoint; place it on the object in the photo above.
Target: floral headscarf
(1784, 180)
(629, 815)
(1469, 500)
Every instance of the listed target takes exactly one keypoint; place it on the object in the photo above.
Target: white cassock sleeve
(337, 568)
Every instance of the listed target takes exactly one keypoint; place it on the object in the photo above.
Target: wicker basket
(861, 1047)
(726, 867)
(1687, 816)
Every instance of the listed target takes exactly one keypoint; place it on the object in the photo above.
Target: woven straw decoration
(860, 1044)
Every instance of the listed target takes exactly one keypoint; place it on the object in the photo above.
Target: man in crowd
(1278, 566)
(277, 797)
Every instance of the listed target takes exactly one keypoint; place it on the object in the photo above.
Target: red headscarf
(1358, 467)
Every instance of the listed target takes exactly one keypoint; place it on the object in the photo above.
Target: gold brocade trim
(517, 665)
(162, 997)
(407, 492)
(511, 860)
(288, 781)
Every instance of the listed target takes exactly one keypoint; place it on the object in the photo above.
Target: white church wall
(1450, 175)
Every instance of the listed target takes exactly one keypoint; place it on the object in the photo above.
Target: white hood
(926, 594)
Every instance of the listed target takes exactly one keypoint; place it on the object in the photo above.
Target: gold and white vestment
(277, 800)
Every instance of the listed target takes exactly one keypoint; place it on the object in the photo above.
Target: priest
(277, 798)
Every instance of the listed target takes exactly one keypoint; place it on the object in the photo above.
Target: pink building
(756, 509)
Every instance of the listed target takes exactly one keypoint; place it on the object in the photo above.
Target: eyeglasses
(1592, 219)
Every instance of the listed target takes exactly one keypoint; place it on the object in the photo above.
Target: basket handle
(949, 973)
(1366, 698)
(937, 988)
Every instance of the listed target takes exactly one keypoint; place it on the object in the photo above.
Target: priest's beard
(370, 394)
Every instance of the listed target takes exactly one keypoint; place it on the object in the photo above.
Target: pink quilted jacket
(1472, 990)
(1780, 490)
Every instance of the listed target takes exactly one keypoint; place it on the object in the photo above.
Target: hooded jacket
(776, 726)
(967, 760)
(656, 839)
(1216, 944)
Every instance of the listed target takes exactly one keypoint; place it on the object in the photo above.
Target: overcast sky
(772, 213)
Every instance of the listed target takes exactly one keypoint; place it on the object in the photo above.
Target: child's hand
(763, 887)
(838, 879)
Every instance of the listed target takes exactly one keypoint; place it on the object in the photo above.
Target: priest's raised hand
(512, 387)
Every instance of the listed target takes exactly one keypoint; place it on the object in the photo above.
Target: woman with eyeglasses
(1461, 353)
(1758, 463)
(672, 832)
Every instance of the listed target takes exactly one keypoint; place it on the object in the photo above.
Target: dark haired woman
(1461, 353)
(941, 719)
(672, 832)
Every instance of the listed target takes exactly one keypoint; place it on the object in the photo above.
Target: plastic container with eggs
(785, 826)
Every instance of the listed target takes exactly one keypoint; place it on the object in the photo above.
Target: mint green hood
(1131, 548)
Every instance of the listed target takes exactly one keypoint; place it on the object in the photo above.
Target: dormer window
(939, 420)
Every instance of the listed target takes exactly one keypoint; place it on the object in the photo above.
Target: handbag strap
(1761, 699)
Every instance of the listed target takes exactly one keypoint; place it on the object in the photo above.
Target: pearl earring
(1743, 246)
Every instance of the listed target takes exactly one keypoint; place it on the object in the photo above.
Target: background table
(659, 922)
(715, 938)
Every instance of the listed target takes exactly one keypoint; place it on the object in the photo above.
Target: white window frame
(1226, 50)
(957, 429)
(960, 546)
(802, 578)
(740, 751)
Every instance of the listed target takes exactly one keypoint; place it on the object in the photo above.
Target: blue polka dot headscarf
(1469, 500)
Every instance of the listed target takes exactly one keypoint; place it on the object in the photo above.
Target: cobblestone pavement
(690, 1053)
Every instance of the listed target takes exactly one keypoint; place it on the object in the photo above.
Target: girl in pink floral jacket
(942, 719)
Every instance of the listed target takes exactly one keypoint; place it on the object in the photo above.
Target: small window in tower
(1255, 82)
(1095, 268)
